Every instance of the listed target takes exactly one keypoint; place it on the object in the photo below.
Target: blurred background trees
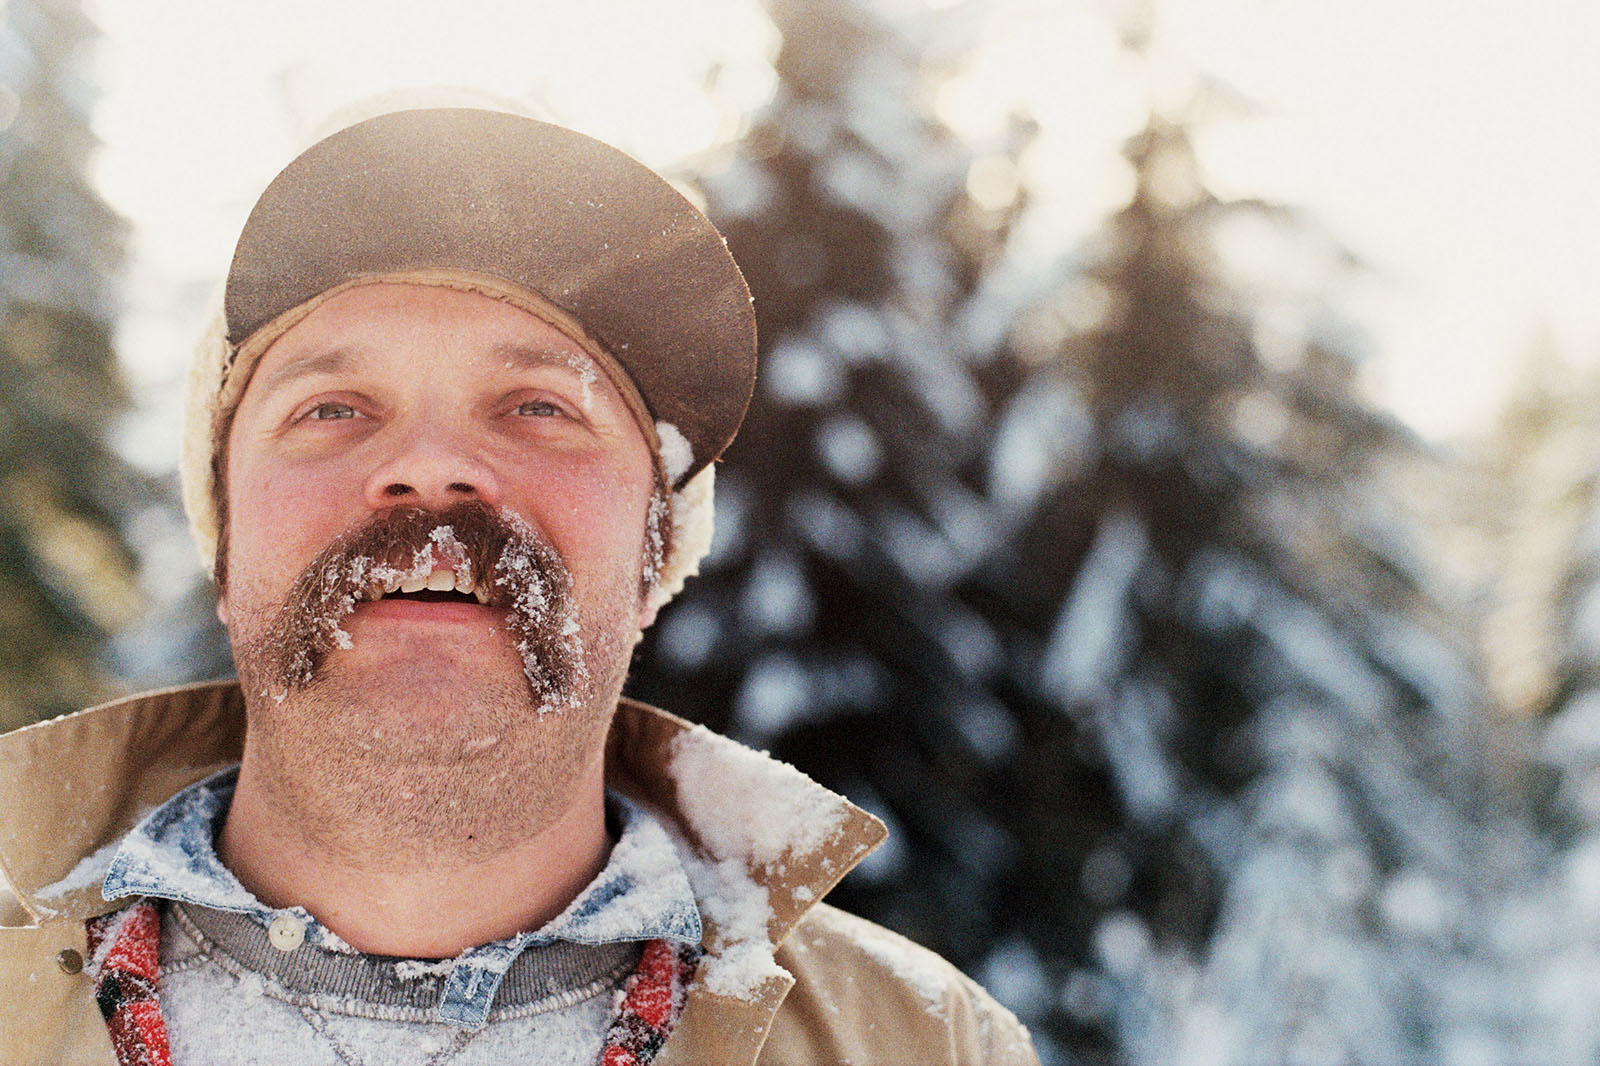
(1542, 645)
(66, 574)
(1243, 626)
(1086, 582)
(1095, 575)
(828, 623)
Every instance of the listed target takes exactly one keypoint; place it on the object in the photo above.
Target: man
(450, 449)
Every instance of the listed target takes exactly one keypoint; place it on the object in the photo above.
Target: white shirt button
(286, 932)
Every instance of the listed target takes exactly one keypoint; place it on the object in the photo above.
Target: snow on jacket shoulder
(786, 980)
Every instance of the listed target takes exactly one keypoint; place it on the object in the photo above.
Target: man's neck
(424, 898)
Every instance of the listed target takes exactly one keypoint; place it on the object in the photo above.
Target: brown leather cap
(583, 225)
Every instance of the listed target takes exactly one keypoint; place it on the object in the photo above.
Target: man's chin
(429, 684)
(402, 716)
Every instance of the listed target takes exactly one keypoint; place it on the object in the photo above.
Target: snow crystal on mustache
(543, 615)
(499, 551)
(443, 548)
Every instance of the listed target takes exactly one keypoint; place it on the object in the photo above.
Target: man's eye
(538, 409)
(327, 411)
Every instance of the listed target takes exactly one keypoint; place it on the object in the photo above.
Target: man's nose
(430, 467)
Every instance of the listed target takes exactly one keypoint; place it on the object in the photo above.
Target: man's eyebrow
(534, 356)
(328, 362)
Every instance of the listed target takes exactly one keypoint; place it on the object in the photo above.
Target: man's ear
(222, 610)
(647, 612)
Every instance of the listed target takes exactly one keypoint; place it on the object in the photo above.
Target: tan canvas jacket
(847, 992)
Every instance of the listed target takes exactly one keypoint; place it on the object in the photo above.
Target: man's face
(407, 396)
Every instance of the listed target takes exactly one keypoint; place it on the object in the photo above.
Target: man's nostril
(460, 486)
(398, 489)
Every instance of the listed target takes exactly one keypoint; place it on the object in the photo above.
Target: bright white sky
(1451, 146)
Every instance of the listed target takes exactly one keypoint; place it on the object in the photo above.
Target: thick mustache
(470, 538)
(510, 560)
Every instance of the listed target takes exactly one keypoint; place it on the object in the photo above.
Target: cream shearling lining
(217, 369)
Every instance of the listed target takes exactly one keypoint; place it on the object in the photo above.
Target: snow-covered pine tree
(66, 576)
(827, 622)
(1211, 601)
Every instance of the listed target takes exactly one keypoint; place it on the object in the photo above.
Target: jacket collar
(80, 782)
(762, 841)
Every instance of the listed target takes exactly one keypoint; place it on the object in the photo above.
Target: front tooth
(441, 581)
(464, 583)
(413, 583)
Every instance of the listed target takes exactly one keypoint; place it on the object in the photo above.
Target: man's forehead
(351, 334)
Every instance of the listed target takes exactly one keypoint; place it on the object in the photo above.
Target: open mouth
(440, 586)
(430, 596)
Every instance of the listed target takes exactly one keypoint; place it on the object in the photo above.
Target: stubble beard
(336, 750)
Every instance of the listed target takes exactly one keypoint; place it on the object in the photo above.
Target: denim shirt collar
(642, 893)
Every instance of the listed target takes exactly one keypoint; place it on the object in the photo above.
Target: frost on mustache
(543, 616)
(502, 555)
(346, 582)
